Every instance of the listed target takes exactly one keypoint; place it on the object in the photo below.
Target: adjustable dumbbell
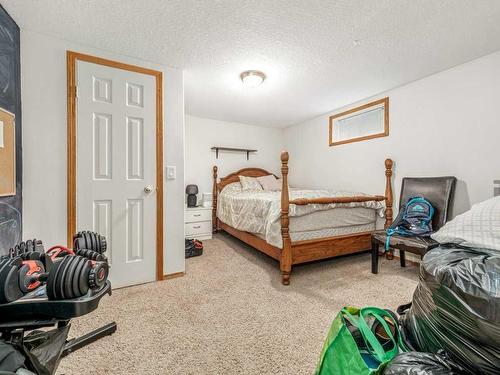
(25, 258)
(28, 246)
(34, 272)
(9, 284)
(71, 277)
(90, 254)
(90, 241)
(22, 274)
(58, 252)
(74, 276)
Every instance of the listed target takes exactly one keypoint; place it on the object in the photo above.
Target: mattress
(312, 234)
(259, 212)
(334, 222)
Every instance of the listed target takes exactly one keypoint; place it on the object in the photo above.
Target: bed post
(214, 201)
(388, 200)
(286, 252)
(388, 193)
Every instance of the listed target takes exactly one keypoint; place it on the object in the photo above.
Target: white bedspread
(260, 211)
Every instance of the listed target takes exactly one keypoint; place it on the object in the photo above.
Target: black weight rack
(28, 314)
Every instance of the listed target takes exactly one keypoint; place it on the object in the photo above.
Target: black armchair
(439, 191)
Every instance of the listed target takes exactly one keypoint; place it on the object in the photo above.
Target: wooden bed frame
(301, 251)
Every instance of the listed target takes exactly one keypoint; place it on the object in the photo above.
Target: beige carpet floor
(230, 315)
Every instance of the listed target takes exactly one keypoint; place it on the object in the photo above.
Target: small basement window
(361, 123)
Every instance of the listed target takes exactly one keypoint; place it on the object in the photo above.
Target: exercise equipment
(20, 321)
(22, 274)
(70, 277)
(68, 273)
(28, 246)
(59, 251)
(89, 241)
(39, 290)
(91, 254)
(74, 276)
(9, 282)
(31, 275)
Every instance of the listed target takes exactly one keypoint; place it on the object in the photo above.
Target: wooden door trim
(71, 60)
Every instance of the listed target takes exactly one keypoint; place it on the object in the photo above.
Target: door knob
(148, 189)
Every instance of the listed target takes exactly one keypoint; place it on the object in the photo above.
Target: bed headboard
(233, 177)
(230, 178)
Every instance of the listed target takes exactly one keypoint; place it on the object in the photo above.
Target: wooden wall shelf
(234, 149)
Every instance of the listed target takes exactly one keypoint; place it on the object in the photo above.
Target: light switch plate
(171, 172)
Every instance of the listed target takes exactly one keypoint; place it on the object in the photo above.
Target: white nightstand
(198, 222)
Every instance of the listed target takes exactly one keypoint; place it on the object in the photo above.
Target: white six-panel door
(116, 167)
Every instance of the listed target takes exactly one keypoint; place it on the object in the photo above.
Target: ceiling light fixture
(252, 78)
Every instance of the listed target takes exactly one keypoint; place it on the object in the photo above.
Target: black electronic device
(191, 191)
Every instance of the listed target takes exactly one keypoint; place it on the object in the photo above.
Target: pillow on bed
(249, 183)
(234, 187)
(270, 183)
(479, 227)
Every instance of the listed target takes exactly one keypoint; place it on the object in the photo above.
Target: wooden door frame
(71, 61)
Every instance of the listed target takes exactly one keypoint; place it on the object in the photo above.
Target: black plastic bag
(10, 358)
(456, 307)
(43, 349)
(417, 363)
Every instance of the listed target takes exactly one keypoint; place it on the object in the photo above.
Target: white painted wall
(445, 124)
(43, 71)
(202, 134)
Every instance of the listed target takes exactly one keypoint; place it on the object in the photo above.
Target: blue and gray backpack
(414, 219)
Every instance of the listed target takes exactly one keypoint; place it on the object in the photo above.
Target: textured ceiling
(318, 55)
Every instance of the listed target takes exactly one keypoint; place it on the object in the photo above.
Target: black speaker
(191, 191)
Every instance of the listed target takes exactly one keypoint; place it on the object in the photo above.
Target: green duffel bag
(360, 342)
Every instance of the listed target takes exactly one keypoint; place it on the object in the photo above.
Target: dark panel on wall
(10, 100)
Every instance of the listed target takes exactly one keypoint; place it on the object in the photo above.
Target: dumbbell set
(24, 247)
(90, 241)
(64, 273)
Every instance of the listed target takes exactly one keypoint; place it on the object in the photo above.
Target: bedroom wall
(202, 134)
(445, 124)
(43, 68)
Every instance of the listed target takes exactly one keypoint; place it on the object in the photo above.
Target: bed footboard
(287, 253)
